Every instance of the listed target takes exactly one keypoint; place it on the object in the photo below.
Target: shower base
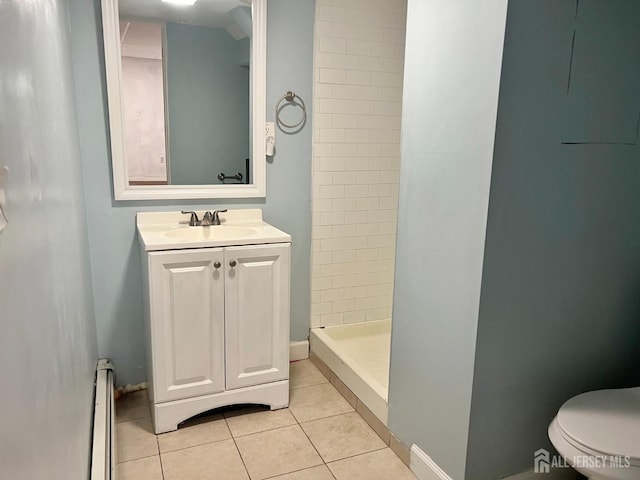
(358, 353)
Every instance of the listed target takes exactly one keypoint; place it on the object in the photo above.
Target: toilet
(598, 434)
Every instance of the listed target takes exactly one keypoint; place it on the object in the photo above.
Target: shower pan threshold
(358, 353)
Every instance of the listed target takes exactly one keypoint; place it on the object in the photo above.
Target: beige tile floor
(319, 437)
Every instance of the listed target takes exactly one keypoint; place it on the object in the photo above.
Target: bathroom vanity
(216, 313)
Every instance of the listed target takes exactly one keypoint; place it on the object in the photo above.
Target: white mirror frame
(121, 188)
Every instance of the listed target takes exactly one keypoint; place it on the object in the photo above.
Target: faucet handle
(193, 221)
(216, 217)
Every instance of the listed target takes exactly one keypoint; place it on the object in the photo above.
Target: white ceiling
(206, 13)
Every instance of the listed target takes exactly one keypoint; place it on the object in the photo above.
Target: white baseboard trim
(423, 466)
(298, 350)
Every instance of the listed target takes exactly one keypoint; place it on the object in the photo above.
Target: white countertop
(171, 230)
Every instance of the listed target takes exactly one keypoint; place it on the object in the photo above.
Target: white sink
(213, 232)
(170, 230)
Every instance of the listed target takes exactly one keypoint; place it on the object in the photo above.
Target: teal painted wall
(208, 103)
(115, 257)
(452, 73)
(47, 325)
(560, 303)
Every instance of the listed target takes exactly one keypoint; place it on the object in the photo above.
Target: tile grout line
(312, 444)
(244, 465)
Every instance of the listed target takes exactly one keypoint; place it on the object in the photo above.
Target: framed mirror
(186, 88)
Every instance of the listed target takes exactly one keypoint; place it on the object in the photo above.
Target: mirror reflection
(186, 91)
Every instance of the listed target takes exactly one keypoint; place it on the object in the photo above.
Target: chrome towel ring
(293, 99)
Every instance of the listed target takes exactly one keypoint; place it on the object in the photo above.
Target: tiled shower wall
(358, 63)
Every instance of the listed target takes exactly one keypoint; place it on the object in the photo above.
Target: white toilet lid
(607, 421)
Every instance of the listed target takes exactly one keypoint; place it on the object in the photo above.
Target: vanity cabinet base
(167, 415)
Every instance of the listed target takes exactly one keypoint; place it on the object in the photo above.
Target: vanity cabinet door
(187, 322)
(257, 314)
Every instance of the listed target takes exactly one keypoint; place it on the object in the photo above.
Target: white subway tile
(322, 150)
(380, 189)
(371, 64)
(332, 191)
(343, 204)
(364, 229)
(331, 294)
(374, 241)
(345, 61)
(344, 178)
(362, 107)
(331, 319)
(367, 254)
(331, 218)
(323, 178)
(332, 270)
(344, 149)
(343, 305)
(323, 120)
(330, 13)
(357, 77)
(388, 228)
(322, 205)
(369, 121)
(323, 60)
(331, 45)
(333, 75)
(357, 164)
(329, 105)
(387, 253)
(355, 267)
(355, 316)
(344, 256)
(322, 231)
(345, 231)
(345, 121)
(346, 92)
(389, 203)
(360, 135)
(369, 177)
(355, 243)
(382, 108)
(356, 191)
(359, 47)
(321, 308)
(329, 164)
(322, 90)
(394, 65)
(368, 149)
(331, 244)
(342, 281)
(355, 292)
(356, 217)
(346, 30)
(322, 258)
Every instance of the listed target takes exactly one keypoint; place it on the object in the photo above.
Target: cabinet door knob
(232, 263)
(217, 264)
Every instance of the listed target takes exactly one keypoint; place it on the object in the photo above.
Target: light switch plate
(270, 129)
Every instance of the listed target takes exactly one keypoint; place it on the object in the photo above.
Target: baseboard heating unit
(103, 459)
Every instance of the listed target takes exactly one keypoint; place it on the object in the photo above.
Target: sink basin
(213, 232)
(169, 231)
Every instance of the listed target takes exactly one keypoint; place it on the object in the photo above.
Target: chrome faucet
(193, 221)
(208, 219)
(216, 216)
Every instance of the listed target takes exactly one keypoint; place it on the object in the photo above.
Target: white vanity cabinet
(217, 322)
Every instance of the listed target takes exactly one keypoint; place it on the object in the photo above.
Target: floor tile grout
(244, 465)
(296, 422)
